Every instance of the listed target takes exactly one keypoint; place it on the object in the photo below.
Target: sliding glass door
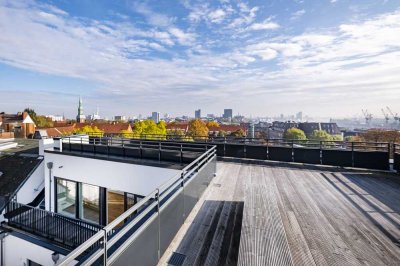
(89, 200)
(66, 197)
(115, 204)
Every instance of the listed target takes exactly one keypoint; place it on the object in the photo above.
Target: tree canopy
(149, 129)
(321, 135)
(197, 128)
(294, 134)
(40, 120)
(89, 130)
(212, 124)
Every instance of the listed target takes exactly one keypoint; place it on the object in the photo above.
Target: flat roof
(15, 170)
(289, 215)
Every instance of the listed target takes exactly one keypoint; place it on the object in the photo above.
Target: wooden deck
(282, 215)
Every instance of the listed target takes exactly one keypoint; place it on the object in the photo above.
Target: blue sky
(327, 58)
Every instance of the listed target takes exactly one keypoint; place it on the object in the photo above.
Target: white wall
(126, 177)
(32, 186)
(17, 251)
(45, 144)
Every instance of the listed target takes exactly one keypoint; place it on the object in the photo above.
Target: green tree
(149, 129)
(89, 130)
(43, 122)
(212, 124)
(239, 133)
(221, 133)
(197, 129)
(294, 134)
(32, 114)
(126, 134)
(321, 135)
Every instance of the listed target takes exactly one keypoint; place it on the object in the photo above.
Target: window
(66, 197)
(89, 203)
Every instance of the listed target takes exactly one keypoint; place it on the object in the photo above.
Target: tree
(43, 122)
(321, 135)
(126, 134)
(294, 134)
(32, 114)
(238, 133)
(221, 133)
(197, 128)
(149, 129)
(212, 124)
(89, 130)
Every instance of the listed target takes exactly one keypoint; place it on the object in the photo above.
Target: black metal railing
(396, 157)
(64, 231)
(370, 155)
(183, 152)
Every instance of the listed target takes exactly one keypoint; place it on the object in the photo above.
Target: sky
(327, 58)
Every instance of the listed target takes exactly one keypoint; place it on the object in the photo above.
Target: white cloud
(317, 68)
(217, 16)
(183, 38)
(266, 25)
(298, 14)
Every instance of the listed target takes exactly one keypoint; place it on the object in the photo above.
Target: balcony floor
(293, 216)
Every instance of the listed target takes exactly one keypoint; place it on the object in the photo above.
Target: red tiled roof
(178, 126)
(59, 131)
(227, 128)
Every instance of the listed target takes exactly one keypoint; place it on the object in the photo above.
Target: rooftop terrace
(279, 214)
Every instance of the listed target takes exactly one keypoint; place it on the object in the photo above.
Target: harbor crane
(386, 115)
(395, 116)
(367, 116)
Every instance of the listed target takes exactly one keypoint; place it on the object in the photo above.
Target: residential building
(111, 201)
(18, 125)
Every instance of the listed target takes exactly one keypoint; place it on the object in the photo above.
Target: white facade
(18, 252)
(126, 177)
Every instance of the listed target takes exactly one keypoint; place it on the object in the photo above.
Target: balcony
(62, 231)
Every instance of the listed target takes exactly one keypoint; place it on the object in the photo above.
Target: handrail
(158, 194)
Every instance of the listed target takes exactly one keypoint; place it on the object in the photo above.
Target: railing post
(140, 149)
(181, 153)
(105, 247)
(292, 151)
(159, 151)
(320, 152)
(159, 224)
(183, 193)
(352, 154)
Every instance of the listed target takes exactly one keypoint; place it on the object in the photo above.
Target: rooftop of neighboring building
(14, 170)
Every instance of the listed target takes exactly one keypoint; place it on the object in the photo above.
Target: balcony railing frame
(138, 217)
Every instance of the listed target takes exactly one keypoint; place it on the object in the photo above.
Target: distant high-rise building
(228, 113)
(120, 118)
(80, 118)
(197, 114)
(299, 116)
(155, 116)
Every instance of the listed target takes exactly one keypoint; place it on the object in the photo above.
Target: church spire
(80, 118)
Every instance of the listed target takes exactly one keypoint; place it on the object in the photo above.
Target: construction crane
(386, 115)
(367, 116)
(395, 116)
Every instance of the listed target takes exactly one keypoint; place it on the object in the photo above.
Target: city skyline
(327, 59)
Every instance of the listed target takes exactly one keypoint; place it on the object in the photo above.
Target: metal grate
(177, 259)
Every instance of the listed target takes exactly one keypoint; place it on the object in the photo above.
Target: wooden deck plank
(293, 216)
